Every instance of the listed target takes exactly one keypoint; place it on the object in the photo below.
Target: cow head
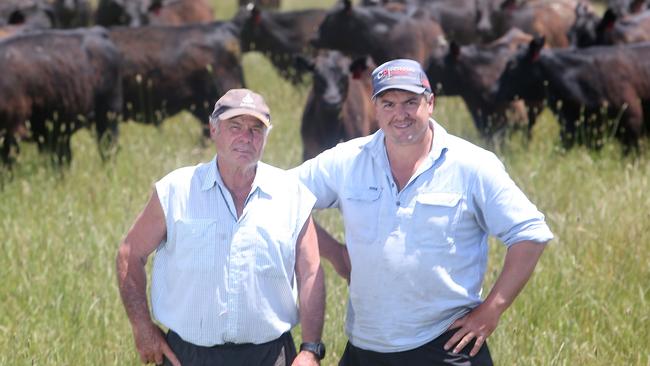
(583, 31)
(331, 71)
(606, 24)
(17, 17)
(522, 77)
(484, 16)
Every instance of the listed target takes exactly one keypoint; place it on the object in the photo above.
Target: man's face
(239, 140)
(403, 116)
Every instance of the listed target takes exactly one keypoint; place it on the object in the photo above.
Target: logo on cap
(247, 101)
(396, 72)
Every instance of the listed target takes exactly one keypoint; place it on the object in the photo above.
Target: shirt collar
(213, 177)
(440, 143)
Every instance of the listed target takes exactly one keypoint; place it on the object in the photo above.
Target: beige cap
(237, 102)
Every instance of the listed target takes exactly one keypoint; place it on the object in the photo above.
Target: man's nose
(402, 111)
(248, 134)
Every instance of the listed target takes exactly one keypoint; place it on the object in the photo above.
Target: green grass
(586, 304)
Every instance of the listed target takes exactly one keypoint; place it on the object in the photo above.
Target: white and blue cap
(400, 74)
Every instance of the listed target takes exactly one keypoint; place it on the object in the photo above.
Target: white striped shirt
(218, 279)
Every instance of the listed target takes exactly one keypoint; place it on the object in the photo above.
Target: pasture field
(588, 302)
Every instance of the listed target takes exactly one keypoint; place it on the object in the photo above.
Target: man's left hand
(477, 324)
(306, 358)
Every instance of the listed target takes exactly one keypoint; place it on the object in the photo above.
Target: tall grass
(586, 304)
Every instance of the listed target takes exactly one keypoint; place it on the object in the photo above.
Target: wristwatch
(317, 349)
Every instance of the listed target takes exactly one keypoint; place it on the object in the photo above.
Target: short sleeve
(162, 190)
(504, 211)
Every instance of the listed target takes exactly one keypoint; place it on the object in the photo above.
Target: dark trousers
(430, 354)
(279, 352)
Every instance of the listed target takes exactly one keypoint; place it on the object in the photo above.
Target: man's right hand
(151, 345)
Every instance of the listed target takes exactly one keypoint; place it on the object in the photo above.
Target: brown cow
(168, 69)
(59, 81)
(551, 19)
(135, 13)
(177, 12)
(382, 34)
(338, 107)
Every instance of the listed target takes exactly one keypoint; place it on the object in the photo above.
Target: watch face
(321, 350)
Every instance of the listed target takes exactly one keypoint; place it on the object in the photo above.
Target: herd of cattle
(148, 59)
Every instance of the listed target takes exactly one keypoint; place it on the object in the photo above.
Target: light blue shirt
(219, 279)
(418, 255)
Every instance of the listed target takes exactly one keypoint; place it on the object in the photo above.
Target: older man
(232, 237)
(418, 205)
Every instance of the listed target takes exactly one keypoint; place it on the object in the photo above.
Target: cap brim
(410, 88)
(234, 112)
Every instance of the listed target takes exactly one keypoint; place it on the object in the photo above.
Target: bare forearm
(311, 290)
(479, 323)
(334, 252)
(132, 282)
(518, 266)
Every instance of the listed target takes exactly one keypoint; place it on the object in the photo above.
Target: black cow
(135, 13)
(472, 71)
(280, 35)
(338, 107)
(168, 69)
(380, 33)
(590, 29)
(59, 81)
(593, 91)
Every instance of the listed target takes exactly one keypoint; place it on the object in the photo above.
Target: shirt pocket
(435, 217)
(361, 211)
(195, 244)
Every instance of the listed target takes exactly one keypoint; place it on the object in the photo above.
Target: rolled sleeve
(504, 210)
